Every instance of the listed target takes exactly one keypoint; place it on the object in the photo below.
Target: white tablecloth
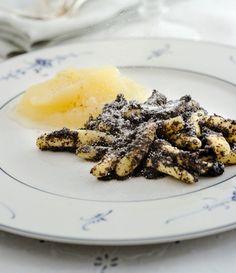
(214, 254)
(211, 20)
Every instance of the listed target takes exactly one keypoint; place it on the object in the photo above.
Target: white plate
(53, 196)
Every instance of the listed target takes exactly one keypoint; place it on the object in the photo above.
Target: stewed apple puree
(72, 95)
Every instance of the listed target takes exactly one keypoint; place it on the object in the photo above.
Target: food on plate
(151, 139)
(66, 139)
(72, 95)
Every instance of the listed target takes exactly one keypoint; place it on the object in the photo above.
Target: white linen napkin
(104, 19)
(21, 34)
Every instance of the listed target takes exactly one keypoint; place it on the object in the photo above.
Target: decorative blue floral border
(38, 66)
(100, 217)
(41, 65)
(211, 203)
(159, 52)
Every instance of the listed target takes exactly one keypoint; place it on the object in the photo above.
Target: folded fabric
(24, 33)
(208, 20)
